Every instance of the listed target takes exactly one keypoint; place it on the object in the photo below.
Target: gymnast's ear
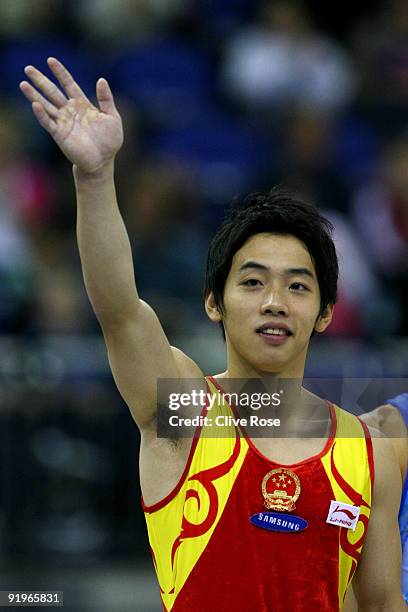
(212, 309)
(324, 319)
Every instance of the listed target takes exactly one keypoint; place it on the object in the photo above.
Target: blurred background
(218, 98)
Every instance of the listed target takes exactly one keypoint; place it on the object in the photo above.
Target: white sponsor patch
(343, 515)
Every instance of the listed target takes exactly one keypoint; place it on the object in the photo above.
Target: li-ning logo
(351, 515)
(343, 515)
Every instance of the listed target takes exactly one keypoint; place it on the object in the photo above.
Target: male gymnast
(235, 523)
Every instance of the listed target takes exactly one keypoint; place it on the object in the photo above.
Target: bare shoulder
(186, 369)
(382, 446)
(163, 459)
(186, 366)
(386, 464)
(388, 420)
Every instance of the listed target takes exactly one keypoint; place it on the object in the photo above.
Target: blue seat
(223, 16)
(17, 53)
(168, 79)
(226, 156)
(357, 148)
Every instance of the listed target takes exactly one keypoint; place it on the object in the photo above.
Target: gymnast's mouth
(274, 329)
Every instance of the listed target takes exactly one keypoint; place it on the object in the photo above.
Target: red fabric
(248, 568)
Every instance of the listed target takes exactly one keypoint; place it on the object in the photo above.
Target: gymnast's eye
(252, 282)
(299, 287)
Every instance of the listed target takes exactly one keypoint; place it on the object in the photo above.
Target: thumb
(105, 97)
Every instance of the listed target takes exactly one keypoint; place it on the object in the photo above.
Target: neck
(239, 367)
(301, 413)
(246, 371)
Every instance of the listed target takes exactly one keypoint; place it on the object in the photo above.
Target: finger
(105, 98)
(65, 79)
(32, 95)
(43, 118)
(47, 87)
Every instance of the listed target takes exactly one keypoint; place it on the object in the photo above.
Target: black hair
(277, 212)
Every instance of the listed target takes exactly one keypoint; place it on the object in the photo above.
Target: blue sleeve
(401, 402)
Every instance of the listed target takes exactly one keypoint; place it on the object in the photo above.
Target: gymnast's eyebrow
(253, 264)
(288, 272)
(299, 272)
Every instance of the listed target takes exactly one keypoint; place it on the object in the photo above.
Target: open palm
(89, 136)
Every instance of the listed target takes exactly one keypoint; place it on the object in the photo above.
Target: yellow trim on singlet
(348, 452)
(165, 525)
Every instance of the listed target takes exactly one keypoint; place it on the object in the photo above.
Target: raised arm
(90, 136)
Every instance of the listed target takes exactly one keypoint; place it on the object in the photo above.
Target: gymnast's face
(271, 307)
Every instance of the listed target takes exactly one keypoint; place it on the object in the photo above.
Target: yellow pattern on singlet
(181, 527)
